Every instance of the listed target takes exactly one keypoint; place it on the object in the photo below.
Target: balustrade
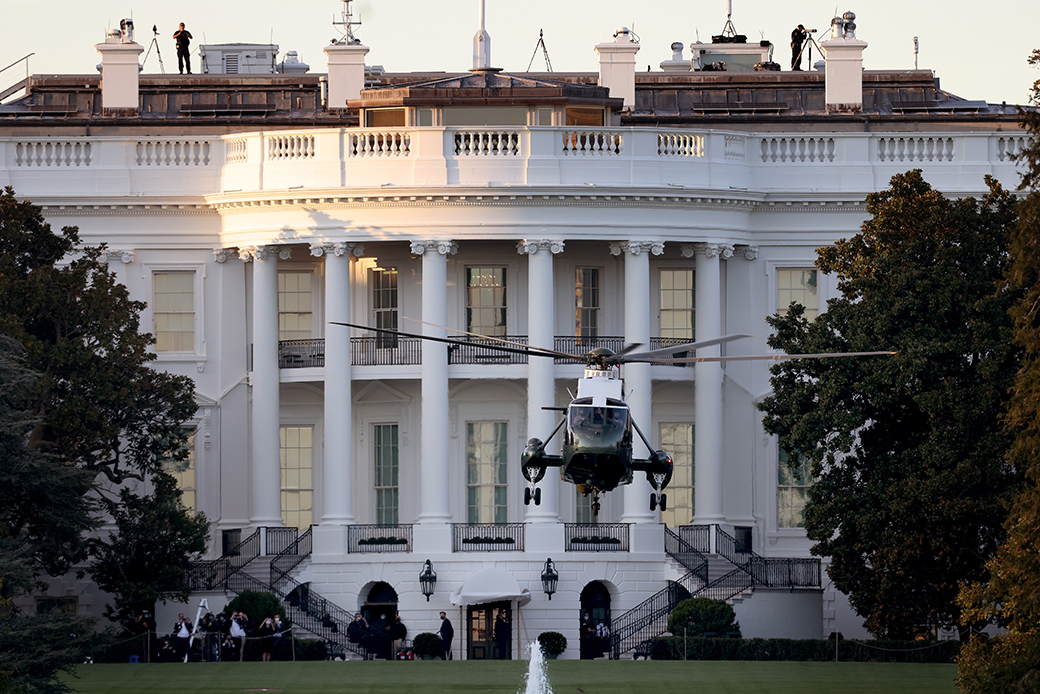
(915, 149)
(47, 154)
(172, 153)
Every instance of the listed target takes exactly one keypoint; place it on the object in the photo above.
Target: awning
(490, 585)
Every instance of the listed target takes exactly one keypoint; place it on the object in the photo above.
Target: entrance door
(480, 621)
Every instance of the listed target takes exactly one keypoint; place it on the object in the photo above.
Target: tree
(1011, 591)
(104, 423)
(907, 451)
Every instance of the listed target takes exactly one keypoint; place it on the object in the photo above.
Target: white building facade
(557, 214)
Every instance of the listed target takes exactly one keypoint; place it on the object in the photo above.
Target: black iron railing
(385, 351)
(214, 574)
(291, 557)
(596, 537)
(277, 539)
(696, 536)
(379, 538)
(507, 537)
(650, 617)
(688, 556)
(475, 351)
(582, 345)
(727, 586)
(659, 342)
(765, 571)
(301, 354)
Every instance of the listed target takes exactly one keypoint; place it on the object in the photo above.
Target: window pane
(183, 471)
(798, 286)
(677, 304)
(386, 463)
(297, 471)
(586, 302)
(794, 476)
(677, 441)
(295, 309)
(174, 311)
(486, 301)
(487, 471)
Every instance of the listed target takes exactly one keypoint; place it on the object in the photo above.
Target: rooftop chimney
(120, 72)
(617, 66)
(346, 72)
(844, 77)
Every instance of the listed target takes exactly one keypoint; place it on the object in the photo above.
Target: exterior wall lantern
(549, 578)
(428, 580)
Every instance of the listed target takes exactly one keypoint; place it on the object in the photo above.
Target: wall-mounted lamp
(428, 580)
(549, 578)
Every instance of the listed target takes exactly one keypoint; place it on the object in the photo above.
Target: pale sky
(978, 50)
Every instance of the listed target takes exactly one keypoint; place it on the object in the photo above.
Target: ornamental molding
(444, 247)
(637, 247)
(529, 247)
(125, 255)
(222, 255)
(250, 253)
(708, 250)
(749, 252)
(337, 249)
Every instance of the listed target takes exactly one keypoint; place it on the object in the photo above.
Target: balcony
(507, 537)
(407, 351)
(596, 537)
(378, 539)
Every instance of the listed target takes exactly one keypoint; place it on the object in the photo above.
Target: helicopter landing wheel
(653, 502)
(527, 496)
(595, 508)
(537, 496)
(664, 502)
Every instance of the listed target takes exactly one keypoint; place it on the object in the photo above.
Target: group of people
(595, 637)
(382, 638)
(223, 637)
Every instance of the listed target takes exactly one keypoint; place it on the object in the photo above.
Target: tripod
(545, 53)
(155, 45)
(807, 44)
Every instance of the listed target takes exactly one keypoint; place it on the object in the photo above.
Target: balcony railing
(475, 351)
(378, 539)
(596, 537)
(507, 537)
(385, 350)
(583, 345)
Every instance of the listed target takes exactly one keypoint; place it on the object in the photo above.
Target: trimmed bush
(552, 642)
(257, 605)
(701, 616)
(426, 644)
(818, 650)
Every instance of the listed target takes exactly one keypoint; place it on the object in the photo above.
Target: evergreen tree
(907, 451)
(1010, 594)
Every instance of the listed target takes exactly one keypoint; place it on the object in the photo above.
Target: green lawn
(566, 677)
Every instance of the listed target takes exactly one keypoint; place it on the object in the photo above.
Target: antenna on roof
(545, 53)
(347, 24)
(481, 45)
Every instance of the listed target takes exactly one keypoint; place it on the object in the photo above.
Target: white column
(265, 470)
(707, 447)
(541, 371)
(638, 386)
(338, 460)
(434, 472)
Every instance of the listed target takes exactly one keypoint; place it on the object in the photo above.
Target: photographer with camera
(182, 637)
(239, 621)
(798, 37)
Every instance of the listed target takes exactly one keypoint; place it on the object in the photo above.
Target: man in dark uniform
(797, 39)
(183, 38)
(447, 634)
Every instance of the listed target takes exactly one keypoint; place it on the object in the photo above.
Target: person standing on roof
(183, 38)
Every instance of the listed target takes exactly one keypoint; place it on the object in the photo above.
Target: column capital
(726, 251)
(222, 255)
(749, 252)
(250, 253)
(531, 247)
(637, 247)
(444, 247)
(125, 255)
(708, 250)
(338, 249)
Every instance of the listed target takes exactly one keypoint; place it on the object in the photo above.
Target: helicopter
(597, 448)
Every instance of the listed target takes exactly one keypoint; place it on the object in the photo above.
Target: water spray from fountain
(536, 681)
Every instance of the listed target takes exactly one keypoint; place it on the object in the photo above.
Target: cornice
(124, 209)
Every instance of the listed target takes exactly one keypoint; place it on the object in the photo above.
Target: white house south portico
(255, 214)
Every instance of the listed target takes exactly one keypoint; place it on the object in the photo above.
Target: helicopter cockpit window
(598, 423)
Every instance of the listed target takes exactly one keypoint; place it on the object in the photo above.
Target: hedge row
(672, 648)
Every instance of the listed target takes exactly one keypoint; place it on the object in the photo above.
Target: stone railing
(352, 159)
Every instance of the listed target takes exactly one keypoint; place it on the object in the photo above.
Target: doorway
(595, 600)
(480, 623)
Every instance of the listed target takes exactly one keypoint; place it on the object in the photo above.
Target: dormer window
(384, 118)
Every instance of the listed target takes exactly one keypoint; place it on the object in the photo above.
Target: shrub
(552, 642)
(258, 606)
(700, 616)
(426, 644)
(818, 650)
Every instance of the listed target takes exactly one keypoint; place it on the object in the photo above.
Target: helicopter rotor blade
(667, 352)
(772, 357)
(446, 340)
(561, 355)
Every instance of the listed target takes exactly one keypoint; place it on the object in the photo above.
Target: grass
(565, 676)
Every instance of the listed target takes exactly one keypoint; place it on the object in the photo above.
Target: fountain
(536, 681)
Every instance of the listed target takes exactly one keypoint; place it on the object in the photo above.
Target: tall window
(793, 477)
(800, 286)
(586, 302)
(297, 448)
(385, 437)
(486, 455)
(486, 301)
(583, 509)
(384, 305)
(677, 304)
(174, 310)
(295, 307)
(184, 472)
(677, 441)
